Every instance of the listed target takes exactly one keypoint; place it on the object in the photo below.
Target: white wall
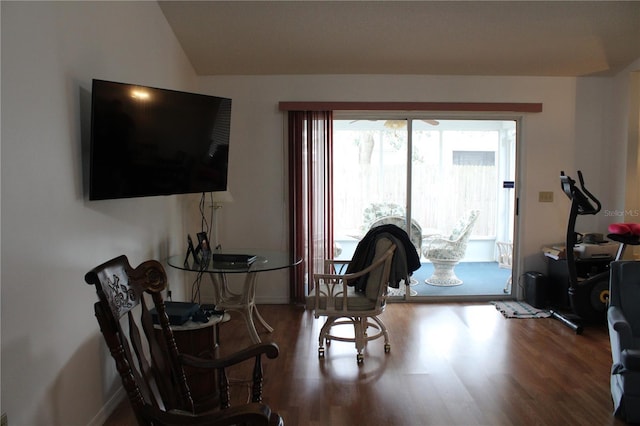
(55, 369)
(624, 125)
(567, 135)
(583, 126)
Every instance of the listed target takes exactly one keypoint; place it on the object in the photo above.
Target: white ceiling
(535, 38)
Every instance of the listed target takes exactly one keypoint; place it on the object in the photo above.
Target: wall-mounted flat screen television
(147, 141)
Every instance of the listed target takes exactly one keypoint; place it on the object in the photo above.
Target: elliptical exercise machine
(588, 297)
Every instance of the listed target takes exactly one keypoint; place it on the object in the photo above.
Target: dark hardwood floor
(450, 364)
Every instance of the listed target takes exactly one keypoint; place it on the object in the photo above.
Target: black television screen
(147, 141)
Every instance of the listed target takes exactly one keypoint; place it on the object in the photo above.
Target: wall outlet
(545, 197)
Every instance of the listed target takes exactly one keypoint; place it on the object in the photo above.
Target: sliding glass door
(430, 173)
(370, 163)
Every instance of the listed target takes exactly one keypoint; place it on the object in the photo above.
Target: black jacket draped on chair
(405, 260)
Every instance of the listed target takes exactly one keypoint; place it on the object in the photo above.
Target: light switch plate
(545, 197)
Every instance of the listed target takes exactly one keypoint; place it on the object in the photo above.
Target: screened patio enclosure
(432, 172)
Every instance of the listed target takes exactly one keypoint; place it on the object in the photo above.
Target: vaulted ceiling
(520, 38)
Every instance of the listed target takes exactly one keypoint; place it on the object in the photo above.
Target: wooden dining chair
(147, 357)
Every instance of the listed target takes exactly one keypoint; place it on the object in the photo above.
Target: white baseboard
(108, 408)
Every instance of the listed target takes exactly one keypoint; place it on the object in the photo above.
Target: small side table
(200, 339)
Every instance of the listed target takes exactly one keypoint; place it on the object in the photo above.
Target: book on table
(228, 259)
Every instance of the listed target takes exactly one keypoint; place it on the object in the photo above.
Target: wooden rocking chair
(147, 357)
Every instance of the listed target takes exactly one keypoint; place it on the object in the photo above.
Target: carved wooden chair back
(149, 367)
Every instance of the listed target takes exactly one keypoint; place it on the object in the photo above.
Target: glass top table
(266, 260)
(225, 297)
